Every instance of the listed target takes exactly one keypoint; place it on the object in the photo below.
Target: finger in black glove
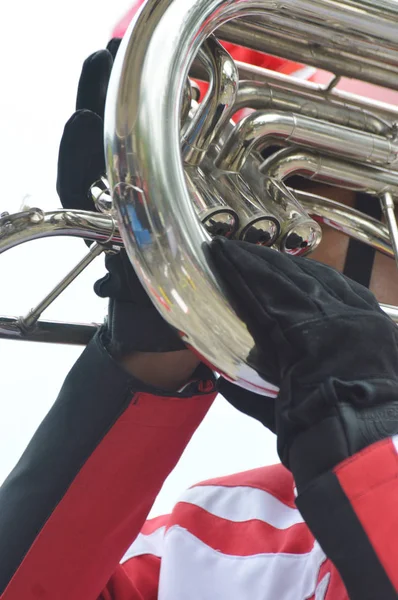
(81, 160)
(94, 81)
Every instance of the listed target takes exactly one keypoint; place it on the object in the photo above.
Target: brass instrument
(179, 171)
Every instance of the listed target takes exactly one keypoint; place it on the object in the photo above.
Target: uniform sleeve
(84, 486)
(352, 512)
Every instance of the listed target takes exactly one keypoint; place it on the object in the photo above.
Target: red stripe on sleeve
(102, 512)
(370, 481)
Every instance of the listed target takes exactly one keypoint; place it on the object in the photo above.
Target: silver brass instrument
(179, 171)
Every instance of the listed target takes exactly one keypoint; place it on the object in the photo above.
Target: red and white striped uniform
(236, 537)
(241, 536)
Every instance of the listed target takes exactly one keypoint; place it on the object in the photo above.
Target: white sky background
(44, 44)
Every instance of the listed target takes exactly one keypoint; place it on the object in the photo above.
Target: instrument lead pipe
(27, 323)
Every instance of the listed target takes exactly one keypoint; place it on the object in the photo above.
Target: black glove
(81, 159)
(134, 324)
(325, 341)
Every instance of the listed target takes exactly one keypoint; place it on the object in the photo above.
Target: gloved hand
(134, 324)
(324, 340)
(81, 159)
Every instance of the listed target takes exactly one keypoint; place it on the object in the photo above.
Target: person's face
(333, 248)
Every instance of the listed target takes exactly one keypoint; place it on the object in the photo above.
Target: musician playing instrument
(320, 525)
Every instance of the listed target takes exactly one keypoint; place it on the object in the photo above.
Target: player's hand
(134, 324)
(324, 340)
(81, 159)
